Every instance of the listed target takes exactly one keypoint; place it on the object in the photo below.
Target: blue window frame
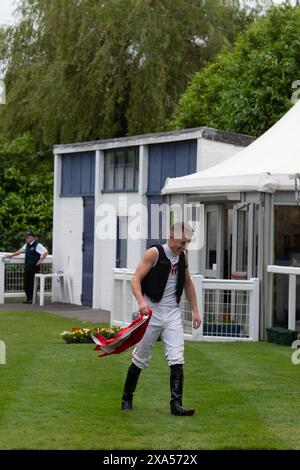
(121, 169)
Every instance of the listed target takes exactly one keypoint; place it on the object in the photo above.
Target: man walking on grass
(158, 283)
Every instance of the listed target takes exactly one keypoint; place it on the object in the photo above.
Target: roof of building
(268, 164)
(158, 137)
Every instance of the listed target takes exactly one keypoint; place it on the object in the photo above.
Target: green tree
(85, 69)
(25, 191)
(248, 89)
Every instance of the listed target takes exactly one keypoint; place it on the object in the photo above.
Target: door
(244, 249)
(286, 253)
(213, 259)
(88, 251)
(157, 218)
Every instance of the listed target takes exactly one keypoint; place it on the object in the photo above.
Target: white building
(120, 172)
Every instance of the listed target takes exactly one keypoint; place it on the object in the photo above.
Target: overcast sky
(7, 7)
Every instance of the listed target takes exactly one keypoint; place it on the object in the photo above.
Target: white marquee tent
(267, 165)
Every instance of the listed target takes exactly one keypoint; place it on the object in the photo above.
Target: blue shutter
(66, 175)
(192, 157)
(168, 160)
(78, 174)
(154, 169)
(182, 159)
(86, 176)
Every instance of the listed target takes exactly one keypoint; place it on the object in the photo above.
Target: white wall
(67, 237)
(105, 250)
(211, 153)
(68, 243)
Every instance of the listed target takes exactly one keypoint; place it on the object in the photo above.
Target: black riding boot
(130, 386)
(176, 385)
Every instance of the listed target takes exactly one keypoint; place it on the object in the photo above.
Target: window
(121, 170)
(109, 171)
(122, 235)
(211, 240)
(242, 240)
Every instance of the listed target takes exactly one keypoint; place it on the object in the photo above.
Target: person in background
(35, 253)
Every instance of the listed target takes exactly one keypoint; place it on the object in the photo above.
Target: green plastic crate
(285, 337)
(282, 336)
(271, 334)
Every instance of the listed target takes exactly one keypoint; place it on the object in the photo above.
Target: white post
(69, 287)
(35, 284)
(124, 298)
(292, 302)
(2, 281)
(62, 289)
(2, 353)
(198, 283)
(134, 305)
(42, 289)
(202, 304)
(254, 311)
(113, 303)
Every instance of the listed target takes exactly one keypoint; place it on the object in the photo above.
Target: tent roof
(265, 165)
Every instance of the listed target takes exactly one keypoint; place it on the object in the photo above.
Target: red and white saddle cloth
(126, 337)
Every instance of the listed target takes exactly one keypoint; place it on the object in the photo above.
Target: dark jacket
(154, 283)
(31, 256)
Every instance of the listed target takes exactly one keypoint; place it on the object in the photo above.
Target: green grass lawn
(55, 395)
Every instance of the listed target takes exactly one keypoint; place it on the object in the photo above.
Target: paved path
(64, 310)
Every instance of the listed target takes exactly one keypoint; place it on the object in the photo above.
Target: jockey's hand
(196, 320)
(143, 308)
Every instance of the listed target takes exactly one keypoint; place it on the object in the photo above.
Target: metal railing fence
(229, 308)
(12, 276)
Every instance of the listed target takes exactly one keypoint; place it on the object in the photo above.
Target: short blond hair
(180, 229)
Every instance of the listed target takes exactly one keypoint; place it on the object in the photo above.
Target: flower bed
(84, 335)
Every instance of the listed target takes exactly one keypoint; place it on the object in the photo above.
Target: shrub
(84, 335)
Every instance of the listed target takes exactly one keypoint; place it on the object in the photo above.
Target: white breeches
(167, 321)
